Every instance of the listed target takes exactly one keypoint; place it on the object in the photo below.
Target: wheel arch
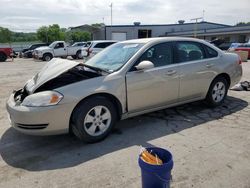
(224, 75)
(48, 53)
(112, 98)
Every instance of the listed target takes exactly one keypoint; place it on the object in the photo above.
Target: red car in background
(5, 53)
(244, 47)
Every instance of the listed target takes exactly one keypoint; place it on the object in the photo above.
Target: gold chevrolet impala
(128, 78)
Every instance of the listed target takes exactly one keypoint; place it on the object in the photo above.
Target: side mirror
(144, 65)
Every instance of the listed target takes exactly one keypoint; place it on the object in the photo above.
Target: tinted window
(159, 55)
(103, 44)
(210, 52)
(189, 51)
(100, 45)
(59, 45)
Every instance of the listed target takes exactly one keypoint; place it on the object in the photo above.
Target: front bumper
(37, 56)
(49, 120)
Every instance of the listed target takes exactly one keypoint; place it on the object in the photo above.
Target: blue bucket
(157, 176)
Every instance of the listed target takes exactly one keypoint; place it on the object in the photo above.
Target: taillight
(239, 61)
(89, 51)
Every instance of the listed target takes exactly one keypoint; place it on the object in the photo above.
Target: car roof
(161, 39)
(99, 41)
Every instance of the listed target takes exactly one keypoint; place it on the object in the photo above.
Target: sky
(28, 15)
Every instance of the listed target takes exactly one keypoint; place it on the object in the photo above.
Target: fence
(17, 46)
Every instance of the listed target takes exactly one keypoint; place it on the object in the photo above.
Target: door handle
(170, 72)
(209, 65)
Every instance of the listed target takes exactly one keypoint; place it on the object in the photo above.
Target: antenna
(195, 26)
(111, 12)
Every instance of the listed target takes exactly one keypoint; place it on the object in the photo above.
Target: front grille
(31, 126)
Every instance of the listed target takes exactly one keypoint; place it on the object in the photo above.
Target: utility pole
(203, 15)
(195, 26)
(111, 13)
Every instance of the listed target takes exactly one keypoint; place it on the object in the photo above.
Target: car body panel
(158, 88)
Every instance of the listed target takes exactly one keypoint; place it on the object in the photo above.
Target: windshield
(52, 44)
(115, 56)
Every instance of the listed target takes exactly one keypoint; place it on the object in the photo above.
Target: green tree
(77, 36)
(242, 23)
(50, 33)
(5, 35)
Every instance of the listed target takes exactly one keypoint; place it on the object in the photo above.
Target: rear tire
(79, 55)
(47, 57)
(3, 57)
(93, 119)
(217, 92)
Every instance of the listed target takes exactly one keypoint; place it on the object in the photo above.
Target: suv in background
(94, 47)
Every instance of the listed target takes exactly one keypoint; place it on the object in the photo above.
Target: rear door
(197, 69)
(154, 87)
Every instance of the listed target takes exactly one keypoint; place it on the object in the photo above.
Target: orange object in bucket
(150, 158)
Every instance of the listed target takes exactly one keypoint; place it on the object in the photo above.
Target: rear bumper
(49, 120)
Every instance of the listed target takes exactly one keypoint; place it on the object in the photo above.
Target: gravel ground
(211, 147)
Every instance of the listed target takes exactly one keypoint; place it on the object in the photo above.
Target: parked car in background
(126, 79)
(244, 47)
(57, 49)
(28, 52)
(5, 53)
(233, 46)
(94, 47)
(82, 44)
(79, 44)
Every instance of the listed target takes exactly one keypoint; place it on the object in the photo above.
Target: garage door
(119, 36)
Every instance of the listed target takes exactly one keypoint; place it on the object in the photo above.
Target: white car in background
(94, 47)
(57, 49)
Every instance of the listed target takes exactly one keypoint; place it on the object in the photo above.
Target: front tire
(47, 57)
(217, 92)
(93, 119)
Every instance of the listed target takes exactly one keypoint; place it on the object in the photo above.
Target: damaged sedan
(128, 78)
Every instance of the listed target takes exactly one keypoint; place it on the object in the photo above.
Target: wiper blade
(96, 68)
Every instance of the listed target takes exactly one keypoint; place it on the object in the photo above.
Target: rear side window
(103, 44)
(210, 52)
(100, 45)
(189, 51)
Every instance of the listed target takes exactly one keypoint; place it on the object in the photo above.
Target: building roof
(214, 31)
(150, 25)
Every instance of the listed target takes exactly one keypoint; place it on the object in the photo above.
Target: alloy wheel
(97, 120)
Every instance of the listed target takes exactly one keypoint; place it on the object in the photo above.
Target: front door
(154, 87)
(60, 50)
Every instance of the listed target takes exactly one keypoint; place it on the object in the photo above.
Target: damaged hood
(51, 70)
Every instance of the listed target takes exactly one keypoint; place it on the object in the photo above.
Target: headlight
(45, 98)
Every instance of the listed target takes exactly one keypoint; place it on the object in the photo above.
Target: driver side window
(159, 55)
(59, 45)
